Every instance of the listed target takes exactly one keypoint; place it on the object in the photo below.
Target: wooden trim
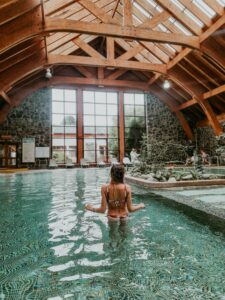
(121, 127)
(80, 141)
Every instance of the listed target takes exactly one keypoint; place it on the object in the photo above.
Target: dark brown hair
(117, 173)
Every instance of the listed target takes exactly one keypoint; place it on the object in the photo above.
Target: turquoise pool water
(52, 249)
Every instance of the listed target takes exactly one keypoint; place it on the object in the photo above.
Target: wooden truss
(117, 43)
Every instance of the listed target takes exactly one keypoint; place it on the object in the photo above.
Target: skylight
(162, 28)
(221, 2)
(204, 8)
(180, 26)
(194, 18)
(178, 4)
(158, 8)
(171, 48)
(141, 9)
(152, 2)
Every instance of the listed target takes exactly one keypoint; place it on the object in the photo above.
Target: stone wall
(164, 127)
(162, 124)
(31, 119)
(206, 139)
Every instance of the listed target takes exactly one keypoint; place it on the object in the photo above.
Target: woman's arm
(103, 206)
(130, 206)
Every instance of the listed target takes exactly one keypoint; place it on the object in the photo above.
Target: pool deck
(207, 198)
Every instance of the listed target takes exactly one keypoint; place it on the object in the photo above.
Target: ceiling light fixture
(166, 84)
(48, 74)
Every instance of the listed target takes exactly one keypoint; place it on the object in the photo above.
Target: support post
(80, 136)
(121, 127)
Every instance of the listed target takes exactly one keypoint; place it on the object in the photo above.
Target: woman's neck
(114, 182)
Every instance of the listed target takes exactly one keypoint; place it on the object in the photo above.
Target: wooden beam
(117, 74)
(204, 123)
(101, 73)
(5, 97)
(180, 16)
(110, 48)
(87, 48)
(203, 104)
(21, 70)
(215, 6)
(204, 96)
(84, 71)
(97, 11)
(88, 61)
(80, 134)
(14, 10)
(115, 8)
(210, 31)
(132, 52)
(129, 32)
(127, 13)
(10, 37)
(155, 20)
(121, 127)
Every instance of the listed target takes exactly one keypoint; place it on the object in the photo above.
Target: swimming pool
(52, 249)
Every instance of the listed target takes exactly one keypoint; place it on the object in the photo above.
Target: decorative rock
(151, 178)
(172, 179)
(187, 177)
(206, 176)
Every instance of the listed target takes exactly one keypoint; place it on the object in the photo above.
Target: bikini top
(112, 203)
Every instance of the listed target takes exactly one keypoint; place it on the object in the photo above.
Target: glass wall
(100, 125)
(100, 136)
(134, 119)
(64, 125)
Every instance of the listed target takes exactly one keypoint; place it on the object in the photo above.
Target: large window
(134, 119)
(64, 125)
(100, 125)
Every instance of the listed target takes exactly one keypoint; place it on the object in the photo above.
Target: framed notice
(42, 152)
(28, 150)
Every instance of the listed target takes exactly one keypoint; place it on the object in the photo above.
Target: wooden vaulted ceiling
(133, 44)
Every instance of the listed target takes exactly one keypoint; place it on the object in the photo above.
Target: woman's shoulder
(128, 188)
(104, 187)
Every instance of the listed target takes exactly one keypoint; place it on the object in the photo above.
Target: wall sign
(42, 152)
(28, 150)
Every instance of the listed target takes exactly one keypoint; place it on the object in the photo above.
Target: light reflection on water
(51, 248)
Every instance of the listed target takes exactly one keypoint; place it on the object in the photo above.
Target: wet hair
(117, 173)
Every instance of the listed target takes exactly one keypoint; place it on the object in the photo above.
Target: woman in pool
(116, 196)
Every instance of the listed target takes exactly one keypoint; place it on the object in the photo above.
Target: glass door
(8, 155)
